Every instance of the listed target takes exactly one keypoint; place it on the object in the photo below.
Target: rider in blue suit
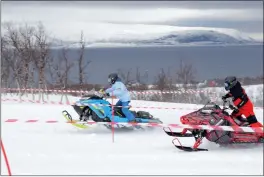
(119, 90)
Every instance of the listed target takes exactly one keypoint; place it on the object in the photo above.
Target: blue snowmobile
(95, 107)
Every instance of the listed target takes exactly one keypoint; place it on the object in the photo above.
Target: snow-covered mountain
(170, 36)
(199, 37)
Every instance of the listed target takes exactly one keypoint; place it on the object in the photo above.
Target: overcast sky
(67, 19)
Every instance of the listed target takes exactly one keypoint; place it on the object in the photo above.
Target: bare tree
(161, 80)
(126, 77)
(185, 74)
(138, 76)
(41, 54)
(68, 65)
(7, 52)
(61, 68)
(52, 67)
(145, 77)
(25, 47)
(81, 62)
(10, 56)
(141, 80)
(5, 56)
(21, 41)
(169, 79)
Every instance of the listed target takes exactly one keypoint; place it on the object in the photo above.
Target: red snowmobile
(211, 114)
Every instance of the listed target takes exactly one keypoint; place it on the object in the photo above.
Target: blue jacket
(119, 90)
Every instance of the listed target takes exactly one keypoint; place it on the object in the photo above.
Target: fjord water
(208, 61)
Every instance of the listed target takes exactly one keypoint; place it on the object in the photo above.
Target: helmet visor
(109, 80)
(226, 86)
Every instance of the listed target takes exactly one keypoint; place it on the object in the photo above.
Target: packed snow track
(60, 149)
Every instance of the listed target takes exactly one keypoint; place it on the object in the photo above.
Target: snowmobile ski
(211, 114)
(178, 134)
(75, 123)
(85, 125)
(189, 149)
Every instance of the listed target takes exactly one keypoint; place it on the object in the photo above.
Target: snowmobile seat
(241, 121)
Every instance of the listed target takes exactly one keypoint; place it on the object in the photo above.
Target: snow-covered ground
(61, 149)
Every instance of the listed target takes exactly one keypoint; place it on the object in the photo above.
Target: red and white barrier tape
(72, 103)
(36, 101)
(83, 91)
(201, 127)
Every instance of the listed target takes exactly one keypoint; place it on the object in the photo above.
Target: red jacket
(239, 95)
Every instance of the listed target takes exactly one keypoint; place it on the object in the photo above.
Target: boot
(255, 125)
(135, 121)
(253, 122)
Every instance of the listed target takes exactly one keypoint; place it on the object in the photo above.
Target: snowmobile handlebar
(226, 104)
(101, 96)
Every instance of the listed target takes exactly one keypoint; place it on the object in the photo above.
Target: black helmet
(112, 78)
(230, 82)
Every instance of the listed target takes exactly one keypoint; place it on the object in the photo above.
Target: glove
(234, 108)
(235, 113)
(224, 97)
(101, 91)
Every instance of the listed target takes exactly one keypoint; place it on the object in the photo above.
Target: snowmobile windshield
(211, 106)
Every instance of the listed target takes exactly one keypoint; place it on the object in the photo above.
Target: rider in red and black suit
(243, 104)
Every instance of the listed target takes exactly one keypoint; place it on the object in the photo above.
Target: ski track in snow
(61, 149)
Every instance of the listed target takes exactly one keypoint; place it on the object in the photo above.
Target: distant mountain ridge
(196, 37)
(177, 38)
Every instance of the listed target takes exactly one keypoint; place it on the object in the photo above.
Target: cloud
(69, 18)
(245, 26)
(131, 15)
(144, 4)
(256, 36)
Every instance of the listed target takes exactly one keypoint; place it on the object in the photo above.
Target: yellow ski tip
(73, 122)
